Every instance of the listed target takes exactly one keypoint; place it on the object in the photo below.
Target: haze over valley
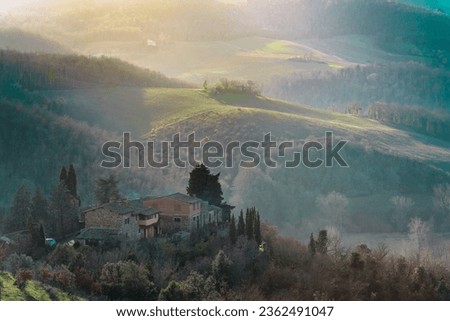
(76, 74)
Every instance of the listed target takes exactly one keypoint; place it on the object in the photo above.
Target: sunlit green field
(158, 111)
(32, 291)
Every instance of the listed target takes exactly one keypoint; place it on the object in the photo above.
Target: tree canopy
(204, 185)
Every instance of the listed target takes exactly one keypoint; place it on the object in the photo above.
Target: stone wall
(102, 217)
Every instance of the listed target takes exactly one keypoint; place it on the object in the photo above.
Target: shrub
(22, 276)
(17, 261)
(235, 87)
(126, 280)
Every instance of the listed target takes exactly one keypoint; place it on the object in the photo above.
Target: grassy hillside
(51, 108)
(32, 291)
(384, 161)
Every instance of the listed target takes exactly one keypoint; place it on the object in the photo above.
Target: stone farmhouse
(146, 218)
(180, 212)
(123, 218)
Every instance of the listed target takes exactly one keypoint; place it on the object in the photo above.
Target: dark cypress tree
(37, 235)
(241, 224)
(20, 211)
(312, 245)
(72, 181)
(63, 211)
(63, 174)
(249, 219)
(322, 242)
(232, 231)
(39, 207)
(257, 228)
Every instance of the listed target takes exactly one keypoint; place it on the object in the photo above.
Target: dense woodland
(434, 123)
(246, 260)
(227, 267)
(35, 127)
(410, 84)
(30, 72)
(412, 95)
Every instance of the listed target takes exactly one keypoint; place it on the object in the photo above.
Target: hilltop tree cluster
(225, 86)
(248, 226)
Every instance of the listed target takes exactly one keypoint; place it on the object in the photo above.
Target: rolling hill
(384, 161)
(16, 39)
(59, 121)
(35, 126)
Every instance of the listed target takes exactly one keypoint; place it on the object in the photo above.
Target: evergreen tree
(213, 193)
(204, 185)
(226, 211)
(20, 211)
(312, 245)
(241, 224)
(322, 242)
(63, 174)
(232, 231)
(221, 267)
(39, 207)
(106, 189)
(37, 235)
(72, 181)
(249, 219)
(63, 211)
(198, 179)
(257, 228)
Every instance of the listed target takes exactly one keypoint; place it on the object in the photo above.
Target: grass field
(383, 160)
(32, 291)
(150, 112)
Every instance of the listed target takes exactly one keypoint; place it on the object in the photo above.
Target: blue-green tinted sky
(434, 4)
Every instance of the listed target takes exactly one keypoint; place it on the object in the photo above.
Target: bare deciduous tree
(335, 246)
(418, 233)
(442, 197)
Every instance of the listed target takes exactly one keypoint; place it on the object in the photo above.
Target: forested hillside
(412, 84)
(395, 27)
(32, 72)
(37, 136)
